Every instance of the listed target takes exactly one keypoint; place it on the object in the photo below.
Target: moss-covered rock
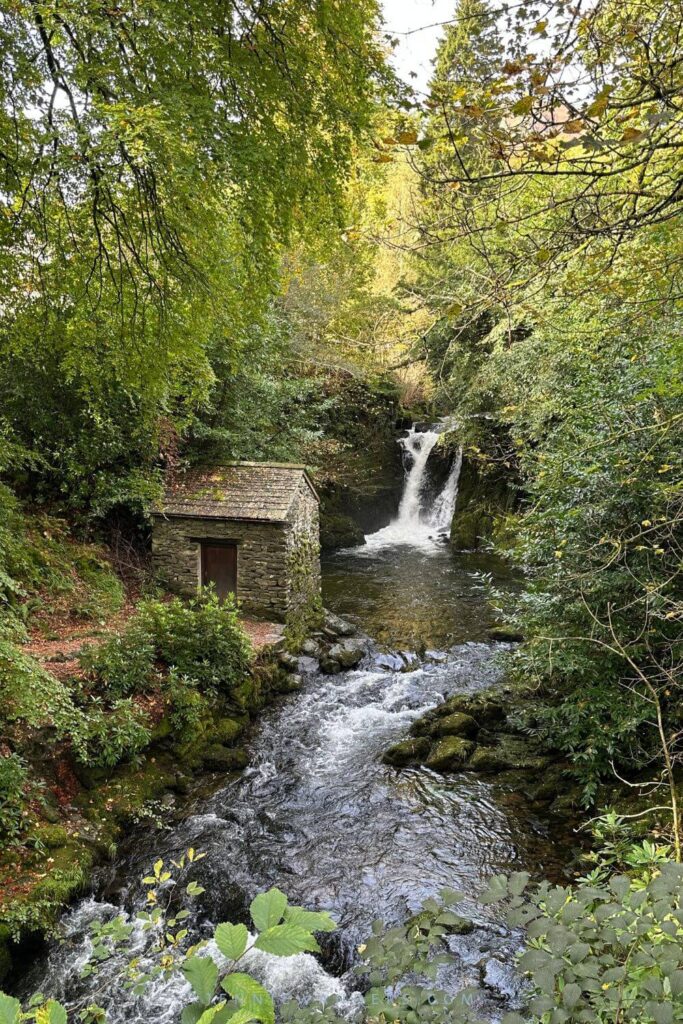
(487, 709)
(51, 836)
(227, 730)
(450, 754)
(228, 759)
(455, 724)
(338, 530)
(407, 752)
(508, 753)
(484, 498)
(504, 634)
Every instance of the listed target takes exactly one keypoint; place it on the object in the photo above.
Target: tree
(154, 159)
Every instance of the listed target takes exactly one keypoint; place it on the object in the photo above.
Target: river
(320, 816)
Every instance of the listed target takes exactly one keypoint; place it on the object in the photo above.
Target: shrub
(124, 663)
(30, 694)
(108, 737)
(201, 639)
(13, 777)
(602, 951)
(186, 703)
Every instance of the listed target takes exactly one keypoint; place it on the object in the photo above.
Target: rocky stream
(320, 814)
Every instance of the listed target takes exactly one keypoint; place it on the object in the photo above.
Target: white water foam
(416, 525)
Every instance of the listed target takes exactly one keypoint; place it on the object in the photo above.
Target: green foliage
(597, 951)
(184, 155)
(200, 643)
(30, 695)
(556, 346)
(605, 951)
(13, 779)
(109, 736)
(124, 664)
(200, 639)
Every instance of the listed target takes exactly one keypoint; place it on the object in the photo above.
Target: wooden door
(219, 567)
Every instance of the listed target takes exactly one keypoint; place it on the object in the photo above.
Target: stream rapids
(317, 813)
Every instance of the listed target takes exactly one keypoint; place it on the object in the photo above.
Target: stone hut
(248, 528)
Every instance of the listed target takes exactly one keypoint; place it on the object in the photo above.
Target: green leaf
(570, 995)
(497, 890)
(267, 909)
(287, 940)
(9, 1009)
(312, 921)
(192, 1013)
(211, 1013)
(252, 997)
(523, 106)
(202, 974)
(231, 939)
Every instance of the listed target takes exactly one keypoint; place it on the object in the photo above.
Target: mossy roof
(260, 491)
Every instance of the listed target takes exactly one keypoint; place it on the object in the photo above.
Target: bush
(200, 639)
(30, 694)
(186, 703)
(13, 777)
(124, 663)
(108, 737)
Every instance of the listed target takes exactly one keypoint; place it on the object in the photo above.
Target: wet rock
(288, 661)
(340, 627)
(509, 753)
(457, 724)
(487, 711)
(388, 661)
(437, 657)
(294, 684)
(329, 666)
(450, 754)
(339, 531)
(182, 784)
(226, 759)
(344, 655)
(407, 752)
(310, 648)
(410, 661)
(308, 665)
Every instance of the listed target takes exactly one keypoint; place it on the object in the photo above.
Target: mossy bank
(64, 839)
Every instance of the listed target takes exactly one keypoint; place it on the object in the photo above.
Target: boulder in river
(486, 709)
(456, 724)
(389, 661)
(344, 655)
(407, 752)
(450, 754)
(337, 626)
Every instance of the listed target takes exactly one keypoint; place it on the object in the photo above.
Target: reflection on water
(414, 597)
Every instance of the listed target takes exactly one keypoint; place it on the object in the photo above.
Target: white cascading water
(416, 525)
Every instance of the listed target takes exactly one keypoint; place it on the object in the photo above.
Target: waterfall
(418, 446)
(415, 524)
(444, 506)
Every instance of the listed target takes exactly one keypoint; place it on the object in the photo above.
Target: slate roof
(262, 491)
